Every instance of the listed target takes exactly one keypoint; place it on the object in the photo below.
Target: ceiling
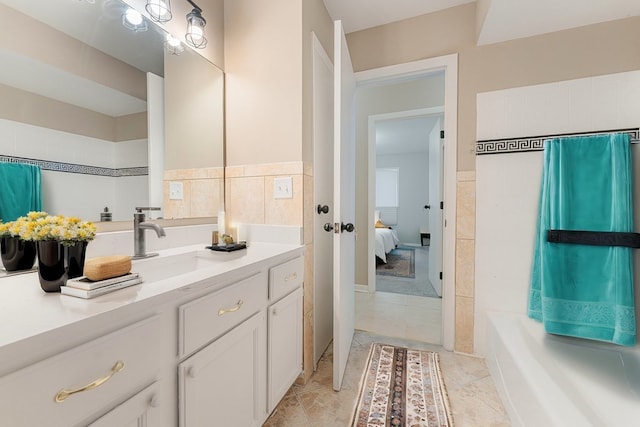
(504, 19)
(360, 14)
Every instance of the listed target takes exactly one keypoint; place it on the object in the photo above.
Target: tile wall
(508, 176)
(250, 199)
(465, 261)
(202, 192)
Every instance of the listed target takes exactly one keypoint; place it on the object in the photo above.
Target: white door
(436, 168)
(344, 206)
(323, 198)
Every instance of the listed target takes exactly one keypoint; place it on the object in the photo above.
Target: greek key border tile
(535, 143)
(75, 168)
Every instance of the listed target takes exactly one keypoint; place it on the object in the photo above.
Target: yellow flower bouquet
(15, 252)
(61, 244)
(39, 226)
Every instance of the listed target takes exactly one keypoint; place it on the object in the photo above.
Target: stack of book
(82, 287)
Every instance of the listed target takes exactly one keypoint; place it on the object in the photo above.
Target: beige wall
(268, 70)
(263, 67)
(31, 38)
(581, 52)
(131, 126)
(194, 128)
(26, 107)
(58, 50)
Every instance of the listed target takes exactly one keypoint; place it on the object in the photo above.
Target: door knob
(328, 227)
(427, 206)
(347, 227)
(322, 209)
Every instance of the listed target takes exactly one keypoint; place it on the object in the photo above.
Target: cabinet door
(224, 383)
(285, 345)
(135, 412)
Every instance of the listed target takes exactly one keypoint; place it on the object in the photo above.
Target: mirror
(112, 118)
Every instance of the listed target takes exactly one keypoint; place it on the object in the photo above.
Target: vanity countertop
(26, 311)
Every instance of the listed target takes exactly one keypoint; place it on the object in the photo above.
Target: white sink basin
(166, 266)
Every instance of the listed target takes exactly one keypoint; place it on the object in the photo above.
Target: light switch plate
(283, 188)
(176, 191)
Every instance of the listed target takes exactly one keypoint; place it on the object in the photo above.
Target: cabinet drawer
(285, 277)
(205, 319)
(109, 369)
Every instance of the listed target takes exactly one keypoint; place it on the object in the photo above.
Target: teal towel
(20, 190)
(579, 290)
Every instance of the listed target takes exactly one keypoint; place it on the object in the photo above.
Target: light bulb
(196, 33)
(172, 41)
(159, 8)
(133, 17)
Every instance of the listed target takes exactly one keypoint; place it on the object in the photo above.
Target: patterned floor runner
(402, 388)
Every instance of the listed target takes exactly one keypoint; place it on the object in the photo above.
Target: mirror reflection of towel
(20, 190)
(580, 290)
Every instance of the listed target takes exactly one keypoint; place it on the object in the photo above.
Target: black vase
(52, 271)
(75, 259)
(17, 254)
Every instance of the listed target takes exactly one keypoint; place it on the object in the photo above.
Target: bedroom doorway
(395, 314)
(406, 155)
(408, 191)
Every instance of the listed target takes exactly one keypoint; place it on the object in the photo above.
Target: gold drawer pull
(293, 276)
(63, 394)
(224, 311)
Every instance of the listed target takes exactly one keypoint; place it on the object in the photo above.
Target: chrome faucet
(139, 226)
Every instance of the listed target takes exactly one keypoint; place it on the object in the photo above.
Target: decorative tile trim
(79, 169)
(536, 143)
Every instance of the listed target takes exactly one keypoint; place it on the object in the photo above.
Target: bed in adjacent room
(386, 241)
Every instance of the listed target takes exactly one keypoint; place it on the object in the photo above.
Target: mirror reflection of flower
(39, 226)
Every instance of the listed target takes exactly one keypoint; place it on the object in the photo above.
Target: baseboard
(361, 288)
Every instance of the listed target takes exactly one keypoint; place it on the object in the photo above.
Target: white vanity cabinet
(285, 328)
(224, 383)
(137, 411)
(239, 378)
(217, 345)
(285, 346)
(79, 385)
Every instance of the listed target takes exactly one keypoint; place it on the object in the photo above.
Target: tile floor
(472, 394)
(401, 316)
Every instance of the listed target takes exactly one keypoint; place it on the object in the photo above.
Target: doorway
(447, 66)
(408, 191)
(404, 301)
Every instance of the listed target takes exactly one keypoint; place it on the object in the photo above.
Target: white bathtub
(548, 380)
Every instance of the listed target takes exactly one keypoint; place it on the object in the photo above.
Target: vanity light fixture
(133, 20)
(159, 10)
(173, 45)
(195, 27)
